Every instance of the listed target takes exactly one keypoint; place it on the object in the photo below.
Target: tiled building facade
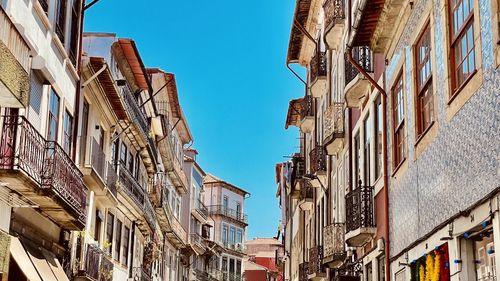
(403, 103)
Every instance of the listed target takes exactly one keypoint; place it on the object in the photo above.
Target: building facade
(97, 182)
(397, 176)
(264, 256)
(225, 203)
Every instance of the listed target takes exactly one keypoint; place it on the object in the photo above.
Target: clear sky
(229, 60)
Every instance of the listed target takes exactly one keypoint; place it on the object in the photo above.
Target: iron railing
(303, 270)
(201, 208)
(197, 240)
(307, 109)
(131, 187)
(201, 275)
(111, 178)
(106, 268)
(228, 212)
(318, 66)
(363, 56)
(307, 192)
(238, 247)
(334, 242)
(136, 114)
(92, 262)
(359, 208)
(334, 119)
(22, 147)
(315, 260)
(334, 12)
(318, 159)
(149, 213)
(98, 159)
(60, 174)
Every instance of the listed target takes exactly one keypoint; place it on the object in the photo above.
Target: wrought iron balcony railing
(318, 159)
(307, 192)
(200, 206)
(228, 212)
(318, 66)
(359, 208)
(315, 260)
(197, 240)
(334, 120)
(307, 109)
(303, 271)
(136, 114)
(131, 187)
(362, 55)
(96, 264)
(111, 178)
(334, 252)
(334, 12)
(299, 166)
(149, 213)
(98, 159)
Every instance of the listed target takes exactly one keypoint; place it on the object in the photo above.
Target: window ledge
(459, 89)
(424, 133)
(395, 171)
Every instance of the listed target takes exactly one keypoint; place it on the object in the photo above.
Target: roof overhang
(300, 16)
(134, 70)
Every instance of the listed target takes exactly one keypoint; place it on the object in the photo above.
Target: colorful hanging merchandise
(433, 266)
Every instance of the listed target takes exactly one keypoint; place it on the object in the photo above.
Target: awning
(23, 261)
(37, 264)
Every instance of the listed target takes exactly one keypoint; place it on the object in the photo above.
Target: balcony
(14, 65)
(136, 115)
(303, 271)
(306, 197)
(307, 115)
(299, 170)
(229, 213)
(334, 253)
(317, 164)
(356, 85)
(202, 275)
(318, 69)
(200, 211)
(173, 164)
(149, 213)
(95, 170)
(334, 22)
(197, 243)
(360, 222)
(315, 269)
(170, 224)
(96, 265)
(334, 128)
(237, 248)
(41, 171)
(131, 188)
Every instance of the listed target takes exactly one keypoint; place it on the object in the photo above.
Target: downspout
(131, 250)
(384, 140)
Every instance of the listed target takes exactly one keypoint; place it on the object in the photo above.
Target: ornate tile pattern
(461, 165)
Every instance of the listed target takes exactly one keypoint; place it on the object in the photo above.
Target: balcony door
(7, 147)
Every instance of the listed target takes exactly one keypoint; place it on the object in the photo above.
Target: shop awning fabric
(36, 264)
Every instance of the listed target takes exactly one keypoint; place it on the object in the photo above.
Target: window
(238, 210)
(224, 264)
(53, 116)
(239, 236)
(123, 154)
(378, 137)
(109, 230)
(130, 163)
(85, 124)
(462, 41)
(356, 161)
(231, 266)
(98, 225)
(484, 255)
(126, 237)
(75, 30)
(369, 272)
(114, 151)
(366, 150)
(238, 268)
(60, 19)
(225, 204)
(224, 234)
(398, 113)
(381, 268)
(68, 133)
(118, 239)
(425, 99)
(232, 235)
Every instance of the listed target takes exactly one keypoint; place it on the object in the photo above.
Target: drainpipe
(131, 250)
(384, 140)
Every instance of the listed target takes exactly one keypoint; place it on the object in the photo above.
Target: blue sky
(229, 61)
